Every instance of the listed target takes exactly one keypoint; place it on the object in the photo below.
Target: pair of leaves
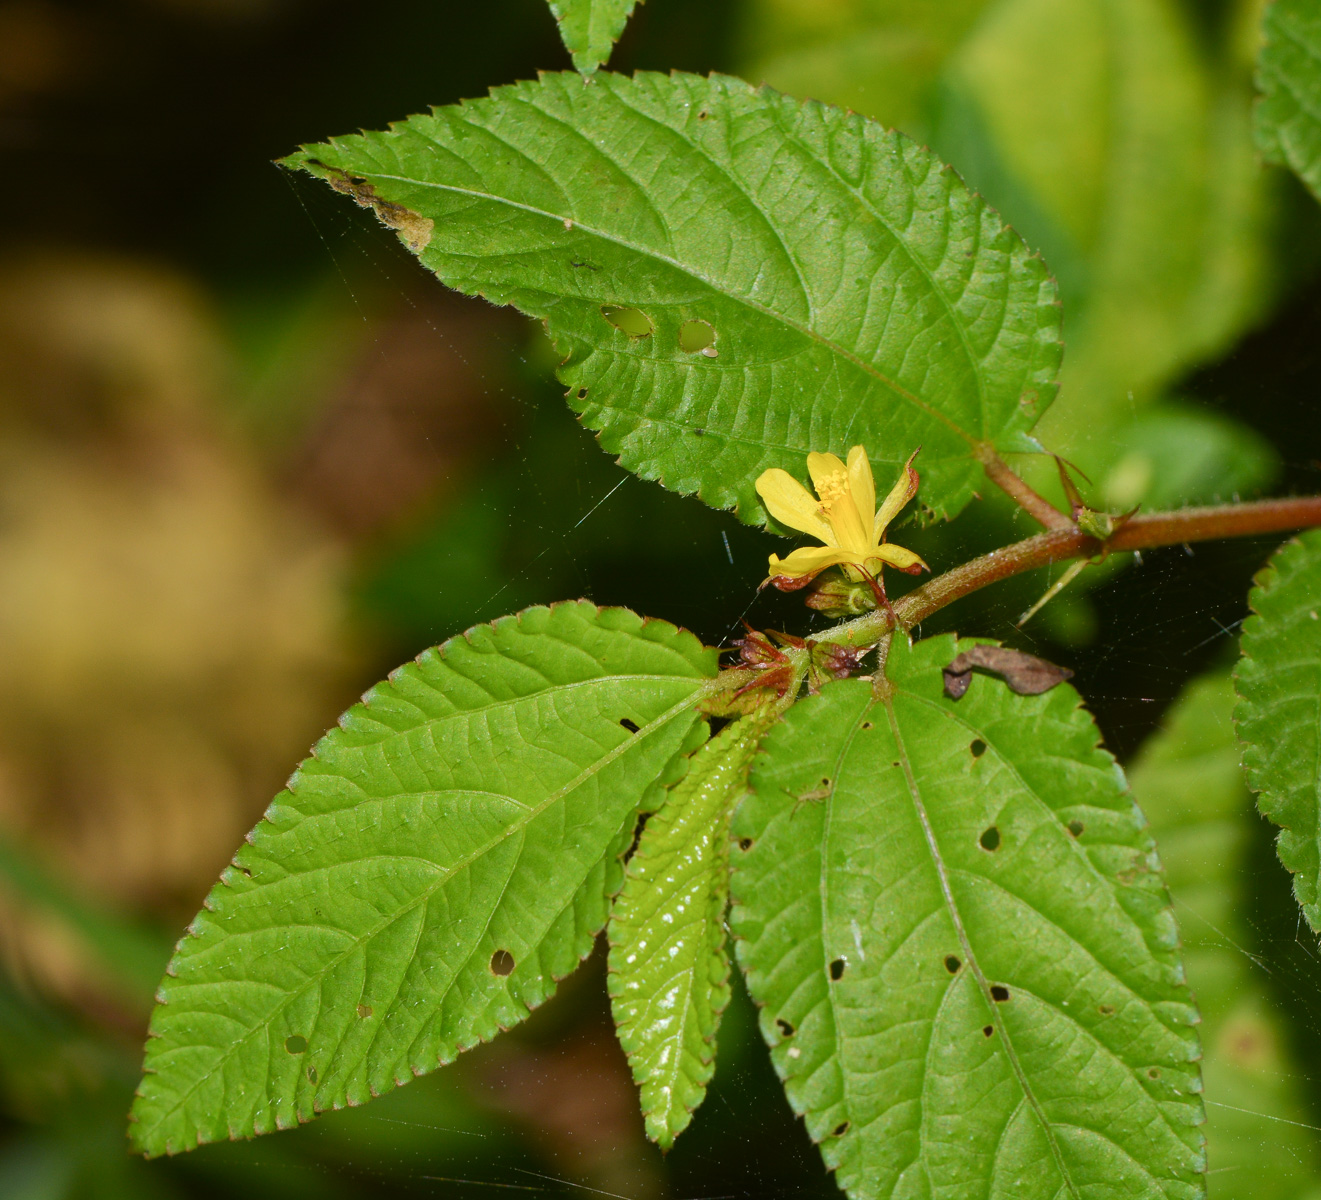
(443, 858)
(1279, 711)
(957, 928)
(949, 911)
(735, 277)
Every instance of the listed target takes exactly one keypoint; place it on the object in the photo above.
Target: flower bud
(838, 597)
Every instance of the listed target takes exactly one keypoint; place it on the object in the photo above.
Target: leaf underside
(1288, 116)
(964, 953)
(439, 861)
(669, 974)
(590, 28)
(1279, 712)
(1187, 780)
(851, 288)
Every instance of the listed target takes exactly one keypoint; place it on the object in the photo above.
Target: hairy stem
(1056, 545)
(1030, 501)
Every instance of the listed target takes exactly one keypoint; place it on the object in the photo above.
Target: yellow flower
(843, 515)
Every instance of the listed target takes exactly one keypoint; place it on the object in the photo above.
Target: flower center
(839, 508)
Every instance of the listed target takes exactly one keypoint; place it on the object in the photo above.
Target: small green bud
(838, 597)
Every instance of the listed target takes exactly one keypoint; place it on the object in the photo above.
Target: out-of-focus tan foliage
(171, 630)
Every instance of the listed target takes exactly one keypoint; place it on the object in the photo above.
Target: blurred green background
(252, 456)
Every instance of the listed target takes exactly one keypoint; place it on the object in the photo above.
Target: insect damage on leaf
(1025, 674)
(414, 228)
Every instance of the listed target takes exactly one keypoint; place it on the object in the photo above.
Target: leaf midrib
(515, 829)
(693, 273)
(970, 956)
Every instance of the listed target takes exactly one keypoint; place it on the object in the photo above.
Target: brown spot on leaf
(413, 228)
(1025, 674)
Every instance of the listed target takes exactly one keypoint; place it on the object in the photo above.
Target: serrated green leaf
(590, 28)
(964, 953)
(1188, 782)
(1288, 117)
(669, 974)
(439, 861)
(855, 289)
(1279, 713)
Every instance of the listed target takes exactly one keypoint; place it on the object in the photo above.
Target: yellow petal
(898, 557)
(823, 468)
(790, 503)
(900, 494)
(862, 485)
(808, 560)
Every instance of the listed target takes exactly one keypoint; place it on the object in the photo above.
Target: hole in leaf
(297, 1044)
(745, 843)
(311, 1074)
(785, 1028)
(699, 432)
(825, 781)
(364, 1011)
(632, 321)
(696, 335)
(1106, 1010)
(702, 116)
(987, 1030)
(952, 964)
(502, 962)
(841, 1129)
(999, 993)
(978, 747)
(866, 725)
(638, 827)
(837, 968)
(631, 726)
(1153, 1072)
(582, 393)
(1076, 828)
(990, 840)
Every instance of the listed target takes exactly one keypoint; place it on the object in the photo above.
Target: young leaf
(1279, 711)
(590, 28)
(439, 861)
(958, 932)
(1189, 784)
(669, 975)
(737, 278)
(1288, 117)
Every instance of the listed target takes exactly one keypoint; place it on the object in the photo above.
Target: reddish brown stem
(1056, 545)
(1030, 501)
